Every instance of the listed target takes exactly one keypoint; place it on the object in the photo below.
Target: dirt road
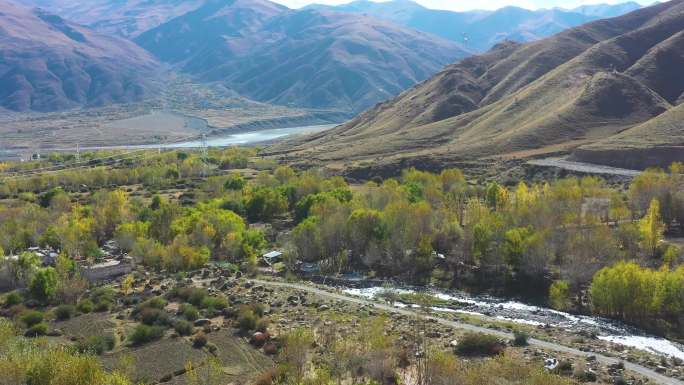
(642, 370)
(587, 168)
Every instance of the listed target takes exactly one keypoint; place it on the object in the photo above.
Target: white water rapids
(521, 313)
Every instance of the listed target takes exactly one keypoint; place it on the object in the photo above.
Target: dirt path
(642, 370)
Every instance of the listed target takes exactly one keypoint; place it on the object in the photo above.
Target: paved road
(588, 168)
(642, 370)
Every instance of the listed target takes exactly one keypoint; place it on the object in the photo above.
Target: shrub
(13, 298)
(564, 367)
(247, 319)
(258, 309)
(145, 333)
(200, 340)
(271, 349)
(64, 312)
(188, 312)
(103, 306)
(192, 295)
(584, 375)
(96, 344)
(39, 329)
(267, 378)
(218, 303)
(212, 348)
(520, 338)
(262, 325)
(31, 318)
(103, 298)
(85, 306)
(183, 328)
(479, 344)
(153, 316)
(197, 297)
(155, 302)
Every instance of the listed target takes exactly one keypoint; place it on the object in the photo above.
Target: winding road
(639, 369)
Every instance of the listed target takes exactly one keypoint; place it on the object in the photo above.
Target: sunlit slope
(583, 85)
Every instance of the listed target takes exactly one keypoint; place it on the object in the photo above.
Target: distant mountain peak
(483, 29)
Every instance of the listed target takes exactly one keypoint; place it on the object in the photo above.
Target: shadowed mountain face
(47, 63)
(591, 88)
(481, 30)
(307, 58)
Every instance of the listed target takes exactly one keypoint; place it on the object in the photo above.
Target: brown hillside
(307, 58)
(656, 142)
(586, 84)
(47, 63)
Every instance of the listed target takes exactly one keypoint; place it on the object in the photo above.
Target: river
(518, 312)
(243, 138)
(252, 137)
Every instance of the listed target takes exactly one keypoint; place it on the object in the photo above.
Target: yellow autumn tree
(651, 228)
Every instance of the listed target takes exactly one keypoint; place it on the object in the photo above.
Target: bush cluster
(64, 312)
(479, 344)
(183, 327)
(145, 333)
(96, 344)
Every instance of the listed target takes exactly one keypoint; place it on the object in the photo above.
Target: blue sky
(461, 5)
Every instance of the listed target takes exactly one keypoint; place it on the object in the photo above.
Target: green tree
(235, 182)
(307, 239)
(422, 263)
(295, 352)
(516, 243)
(265, 203)
(559, 295)
(43, 286)
(365, 228)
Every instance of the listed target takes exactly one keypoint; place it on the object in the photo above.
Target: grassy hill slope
(580, 86)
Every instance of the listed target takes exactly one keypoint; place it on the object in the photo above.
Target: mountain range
(346, 58)
(610, 91)
(308, 58)
(480, 30)
(48, 63)
(127, 18)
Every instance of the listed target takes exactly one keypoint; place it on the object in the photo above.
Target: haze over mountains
(481, 30)
(48, 63)
(308, 58)
(127, 18)
(613, 84)
(315, 58)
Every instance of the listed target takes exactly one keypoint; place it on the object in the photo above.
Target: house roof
(272, 254)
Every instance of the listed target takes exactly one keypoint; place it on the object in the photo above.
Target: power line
(90, 162)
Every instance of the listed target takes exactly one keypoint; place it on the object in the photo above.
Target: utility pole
(78, 152)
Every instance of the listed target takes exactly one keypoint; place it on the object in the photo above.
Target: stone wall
(106, 273)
